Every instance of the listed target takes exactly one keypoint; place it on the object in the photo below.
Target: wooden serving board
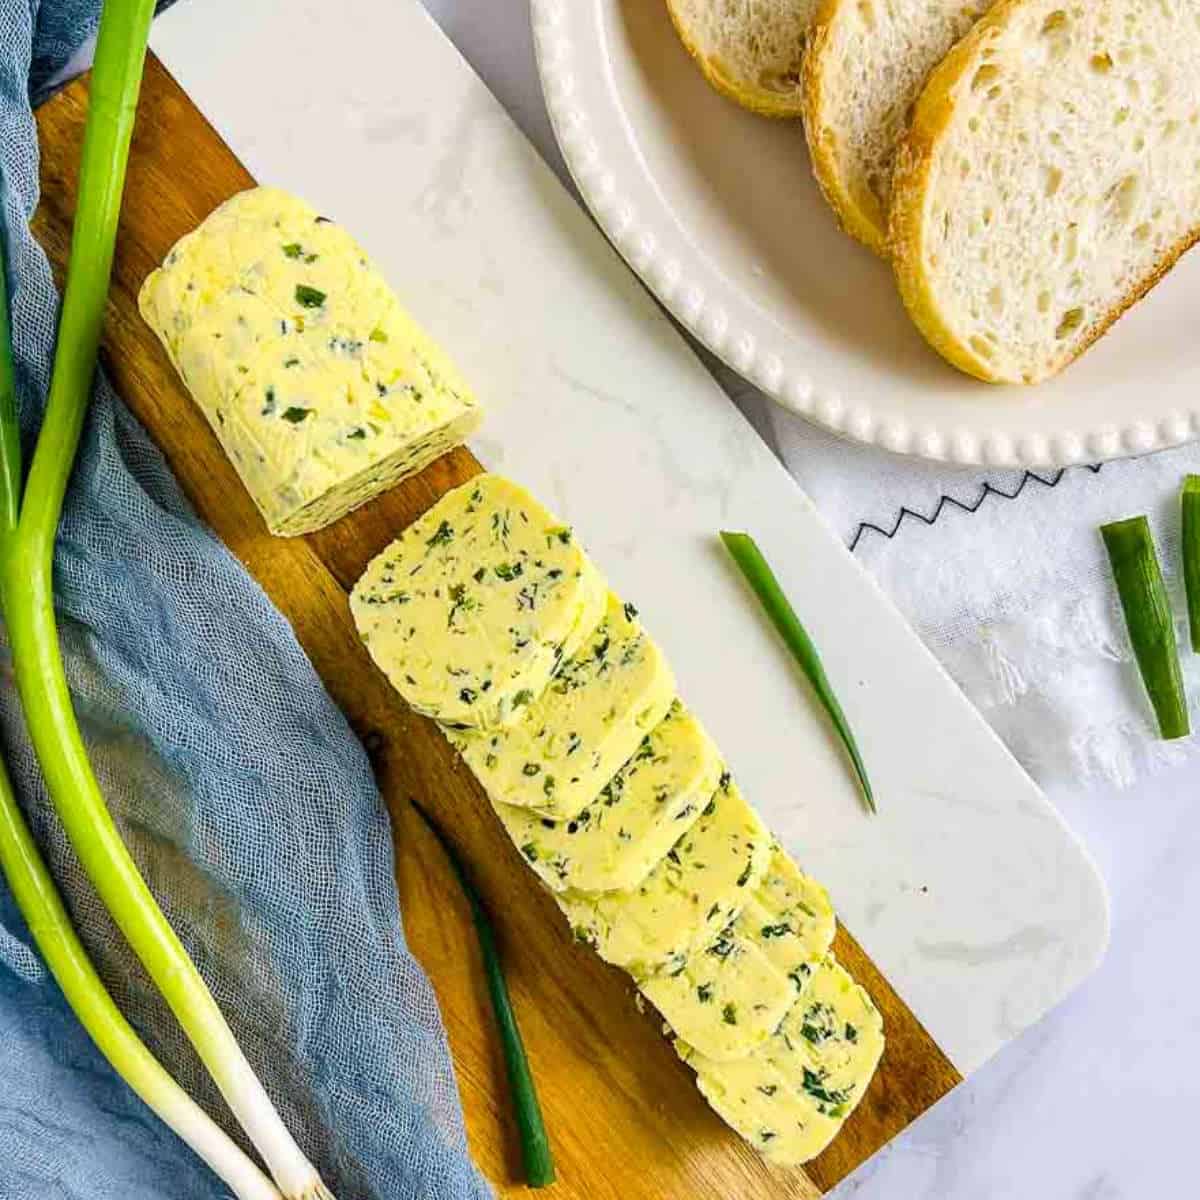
(624, 1117)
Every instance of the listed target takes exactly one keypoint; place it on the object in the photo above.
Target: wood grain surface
(624, 1116)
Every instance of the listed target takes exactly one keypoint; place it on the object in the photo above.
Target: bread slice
(1051, 176)
(867, 61)
(750, 50)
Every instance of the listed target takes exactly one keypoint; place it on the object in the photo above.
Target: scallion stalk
(48, 922)
(535, 1145)
(46, 916)
(10, 430)
(758, 574)
(1191, 554)
(26, 591)
(1149, 619)
(40, 904)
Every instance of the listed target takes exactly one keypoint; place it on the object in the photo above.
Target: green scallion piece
(10, 431)
(535, 1146)
(1191, 554)
(27, 597)
(1149, 619)
(33, 889)
(750, 561)
(42, 907)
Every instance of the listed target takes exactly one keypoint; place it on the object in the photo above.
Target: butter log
(320, 388)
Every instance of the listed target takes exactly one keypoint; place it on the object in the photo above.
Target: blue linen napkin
(242, 793)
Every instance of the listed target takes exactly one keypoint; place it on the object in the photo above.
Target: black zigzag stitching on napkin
(987, 489)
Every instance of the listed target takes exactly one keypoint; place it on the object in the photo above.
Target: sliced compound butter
(640, 813)
(731, 994)
(790, 1098)
(573, 738)
(477, 605)
(701, 885)
(319, 386)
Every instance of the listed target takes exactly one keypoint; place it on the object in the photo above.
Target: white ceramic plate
(717, 211)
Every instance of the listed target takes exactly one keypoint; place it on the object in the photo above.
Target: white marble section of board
(967, 890)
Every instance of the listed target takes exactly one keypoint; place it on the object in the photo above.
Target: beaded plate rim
(696, 296)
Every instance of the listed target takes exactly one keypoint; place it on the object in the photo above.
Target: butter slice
(573, 738)
(731, 994)
(476, 606)
(790, 1098)
(321, 389)
(640, 814)
(702, 884)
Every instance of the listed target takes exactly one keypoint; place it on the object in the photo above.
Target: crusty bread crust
(861, 217)
(911, 189)
(758, 100)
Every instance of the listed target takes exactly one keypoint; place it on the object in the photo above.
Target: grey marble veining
(1099, 1100)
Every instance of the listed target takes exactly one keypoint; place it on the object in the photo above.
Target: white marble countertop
(1094, 1102)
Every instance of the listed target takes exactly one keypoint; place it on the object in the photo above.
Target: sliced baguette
(1051, 176)
(867, 61)
(749, 50)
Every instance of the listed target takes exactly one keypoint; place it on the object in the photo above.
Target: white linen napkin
(1004, 576)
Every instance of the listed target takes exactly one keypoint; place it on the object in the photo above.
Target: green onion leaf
(10, 431)
(535, 1146)
(26, 593)
(1191, 554)
(40, 905)
(750, 561)
(36, 896)
(1149, 619)
(309, 297)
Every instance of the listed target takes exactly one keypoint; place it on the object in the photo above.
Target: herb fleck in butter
(474, 556)
(309, 297)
